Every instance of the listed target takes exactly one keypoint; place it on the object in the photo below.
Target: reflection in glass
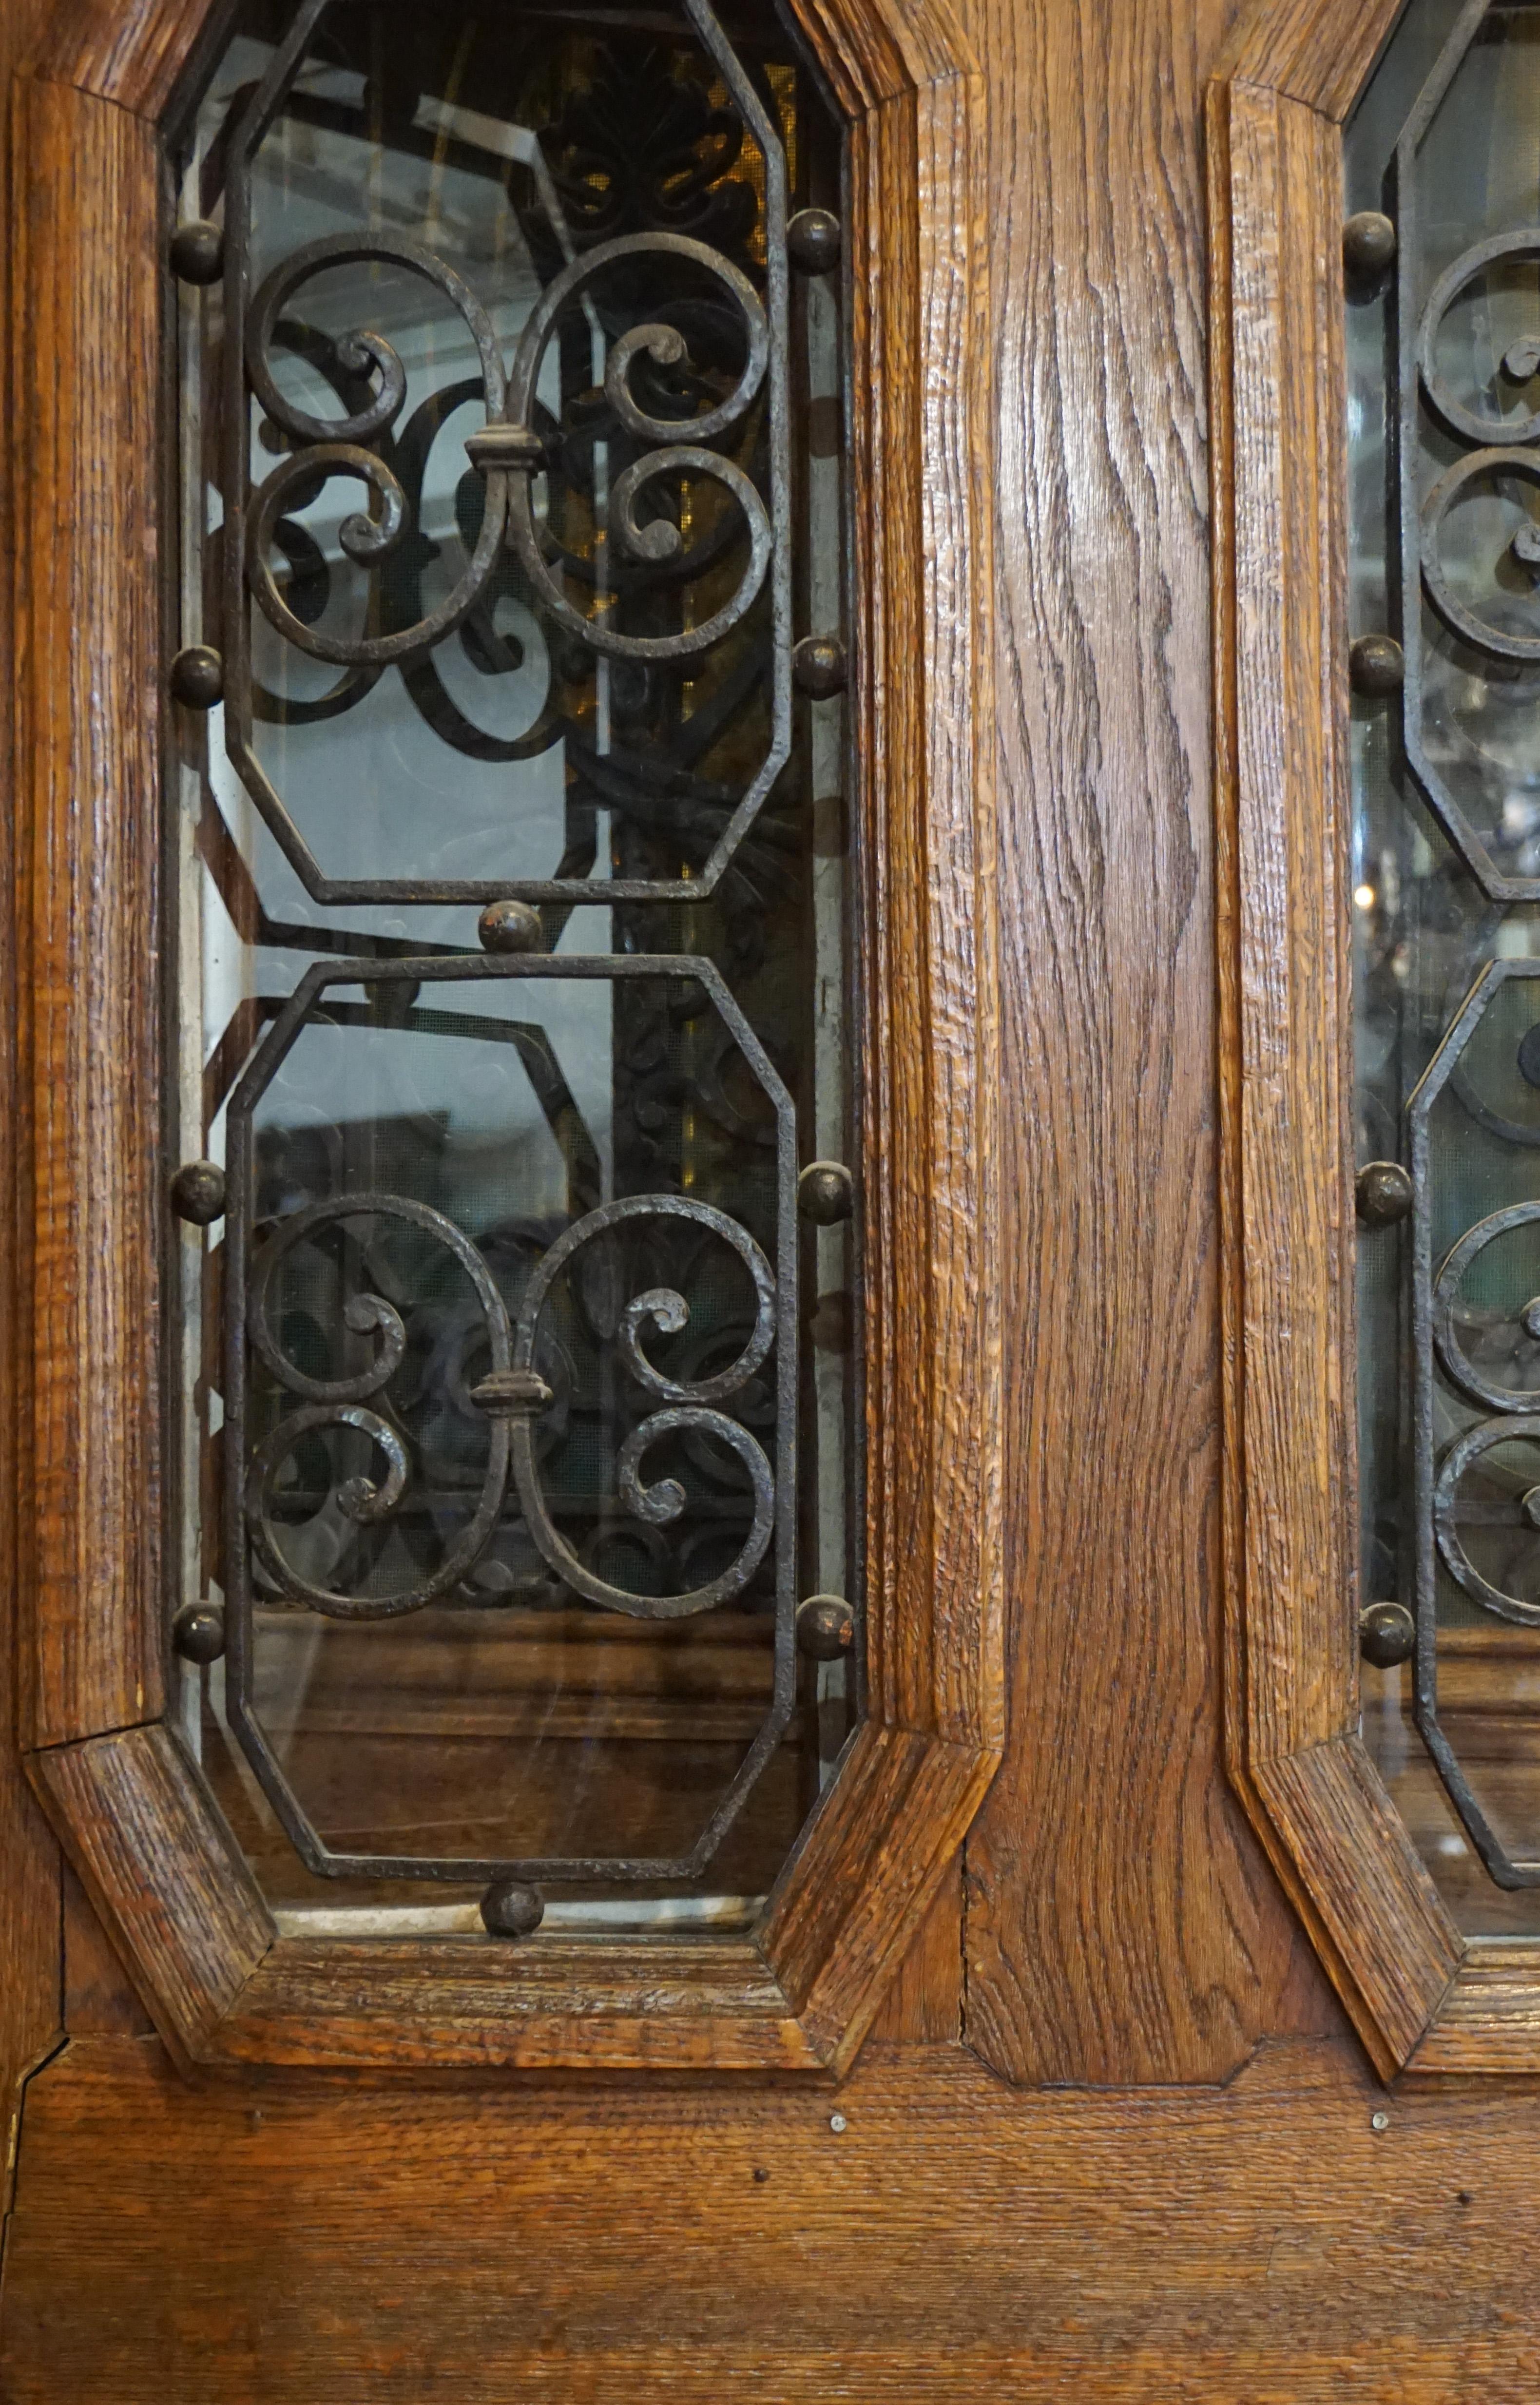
(518, 1394)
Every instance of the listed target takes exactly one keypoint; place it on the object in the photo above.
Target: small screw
(838, 2124)
(1379, 2121)
(760, 2175)
(510, 926)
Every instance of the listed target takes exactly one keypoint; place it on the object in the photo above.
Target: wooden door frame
(91, 405)
(1422, 1998)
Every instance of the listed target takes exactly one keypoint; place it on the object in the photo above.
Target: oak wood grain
(134, 53)
(550, 2003)
(159, 1869)
(30, 1867)
(1319, 52)
(1286, 1077)
(956, 2241)
(1122, 1924)
(86, 369)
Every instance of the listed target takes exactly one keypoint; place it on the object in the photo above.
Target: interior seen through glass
(513, 980)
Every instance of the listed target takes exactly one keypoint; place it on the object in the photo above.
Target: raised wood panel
(86, 385)
(159, 1868)
(953, 2241)
(1122, 1923)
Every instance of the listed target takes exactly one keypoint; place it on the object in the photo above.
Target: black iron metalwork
(419, 1419)
(737, 331)
(510, 1400)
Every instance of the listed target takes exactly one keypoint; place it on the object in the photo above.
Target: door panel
(1203, 2205)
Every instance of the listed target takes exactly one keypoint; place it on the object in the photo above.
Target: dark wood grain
(160, 1871)
(86, 368)
(1122, 1923)
(955, 2242)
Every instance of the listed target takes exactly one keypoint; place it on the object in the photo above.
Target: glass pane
(1443, 350)
(519, 1321)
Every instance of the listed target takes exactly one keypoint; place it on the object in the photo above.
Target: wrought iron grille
(507, 1216)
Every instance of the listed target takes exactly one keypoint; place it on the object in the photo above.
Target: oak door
(767, 1486)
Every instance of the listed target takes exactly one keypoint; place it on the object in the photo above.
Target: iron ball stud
(818, 667)
(197, 252)
(1377, 667)
(197, 677)
(198, 1192)
(812, 240)
(825, 1193)
(1368, 245)
(509, 926)
(197, 1633)
(1382, 1193)
(510, 1908)
(1387, 1635)
(825, 1627)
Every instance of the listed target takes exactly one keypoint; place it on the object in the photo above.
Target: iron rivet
(1379, 2121)
(1387, 1635)
(197, 1632)
(197, 252)
(1382, 1193)
(1368, 245)
(825, 1627)
(760, 2175)
(825, 1193)
(510, 926)
(1375, 666)
(511, 1909)
(812, 240)
(198, 1192)
(818, 667)
(838, 2124)
(197, 677)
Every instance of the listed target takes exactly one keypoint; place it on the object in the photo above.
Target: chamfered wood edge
(1319, 52)
(84, 371)
(140, 55)
(162, 1872)
(917, 146)
(1282, 801)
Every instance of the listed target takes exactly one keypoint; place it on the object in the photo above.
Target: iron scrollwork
(513, 1398)
(732, 332)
